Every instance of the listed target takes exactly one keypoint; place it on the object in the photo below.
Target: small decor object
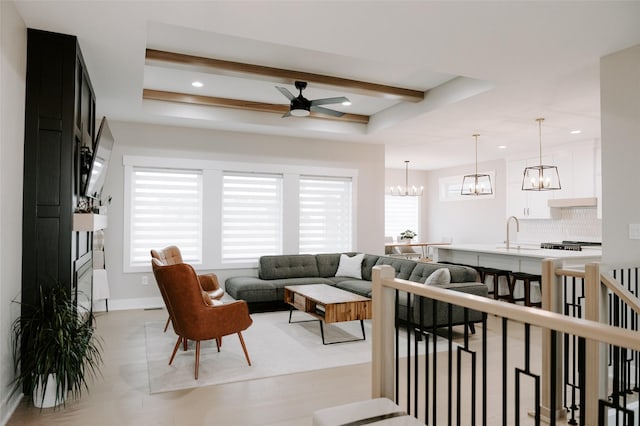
(476, 184)
(54, 348)
(541, 178)
(406, 191)
(407, 236)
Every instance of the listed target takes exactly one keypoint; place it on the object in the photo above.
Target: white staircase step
(379, 411)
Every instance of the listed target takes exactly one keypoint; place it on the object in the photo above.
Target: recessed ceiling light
(197, 84)
(346, 103)
(502, 147)
(576, 132)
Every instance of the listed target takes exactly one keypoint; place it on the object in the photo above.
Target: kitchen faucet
(517, 227)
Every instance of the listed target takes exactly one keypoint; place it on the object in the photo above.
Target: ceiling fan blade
(327, 101)
(286, 114)
(327, 111)
(285, 92)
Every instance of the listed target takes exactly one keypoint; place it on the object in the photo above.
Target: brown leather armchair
(170, 256)
(192, 315)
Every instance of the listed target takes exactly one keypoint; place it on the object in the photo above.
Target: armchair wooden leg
(175, 349)
(167, 324)
(185, 342)
(197, 357)
(218, 341)
(244, 348)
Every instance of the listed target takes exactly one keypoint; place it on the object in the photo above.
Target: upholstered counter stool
(526, 279)
(495, 275)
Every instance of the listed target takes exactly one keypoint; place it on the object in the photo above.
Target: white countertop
(524, 251)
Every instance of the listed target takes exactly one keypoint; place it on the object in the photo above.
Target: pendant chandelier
(540, 178)
(406, 191)
(476, 184)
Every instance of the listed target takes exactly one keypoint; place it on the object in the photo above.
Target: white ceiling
(486, 67)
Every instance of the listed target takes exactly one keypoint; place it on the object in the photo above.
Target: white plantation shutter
(325, 215)
(166, 209)
(400, 214)
(251, 216)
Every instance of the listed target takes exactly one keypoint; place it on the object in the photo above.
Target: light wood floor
(121, 396)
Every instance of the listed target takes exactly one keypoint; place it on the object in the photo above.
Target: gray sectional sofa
(276, 272)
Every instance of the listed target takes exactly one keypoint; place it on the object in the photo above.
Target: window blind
(325, 214)
(400, 214)
(166, 209)
(251, 216)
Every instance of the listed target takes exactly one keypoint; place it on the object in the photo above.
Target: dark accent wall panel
(59, 101)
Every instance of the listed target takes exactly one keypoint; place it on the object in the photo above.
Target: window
(166, 209)
(400, 214)
(251, 216)
(325, 214)
(224, 214)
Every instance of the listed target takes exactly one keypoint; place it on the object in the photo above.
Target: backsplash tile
(573, 224)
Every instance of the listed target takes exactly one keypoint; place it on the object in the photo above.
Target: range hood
(573, 202)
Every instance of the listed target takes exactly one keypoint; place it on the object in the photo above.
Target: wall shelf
(89, 221)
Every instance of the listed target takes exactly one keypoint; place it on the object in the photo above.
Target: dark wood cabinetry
(59, 122)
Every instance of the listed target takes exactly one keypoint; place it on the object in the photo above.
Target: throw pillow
(440, 276)
(350, 266)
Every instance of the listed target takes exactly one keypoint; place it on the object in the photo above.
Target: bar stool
(495, 275)
(526, 279)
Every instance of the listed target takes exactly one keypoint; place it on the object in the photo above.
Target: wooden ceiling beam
(160, 95)
(284, 76)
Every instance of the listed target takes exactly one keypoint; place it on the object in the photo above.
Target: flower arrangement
(407, 235)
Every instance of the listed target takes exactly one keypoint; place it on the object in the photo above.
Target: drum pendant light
(541, 178)
(476, 184)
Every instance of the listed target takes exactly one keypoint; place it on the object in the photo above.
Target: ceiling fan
(301, 106)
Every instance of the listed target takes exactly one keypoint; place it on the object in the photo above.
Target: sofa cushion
(403, 267)
(367, 266)
(361, 287)
(441, 276)
(328, 263)
(251, 289)
(459, 274)
(350, 266)
(287, 266)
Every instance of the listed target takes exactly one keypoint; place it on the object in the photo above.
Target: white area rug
(275, 348)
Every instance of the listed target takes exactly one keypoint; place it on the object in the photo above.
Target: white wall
(471, 220)
(12, 89)
(620, 106)
(166, 141)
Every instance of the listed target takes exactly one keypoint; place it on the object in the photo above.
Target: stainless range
(570, 245)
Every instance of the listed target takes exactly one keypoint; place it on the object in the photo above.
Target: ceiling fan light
(300, 112)
(346, 103)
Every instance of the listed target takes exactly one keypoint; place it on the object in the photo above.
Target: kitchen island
(517, 258)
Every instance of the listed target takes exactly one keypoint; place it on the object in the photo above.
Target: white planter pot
(49, 399)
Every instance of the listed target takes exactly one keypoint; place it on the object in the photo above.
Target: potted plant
(54, 346)
(407, 236)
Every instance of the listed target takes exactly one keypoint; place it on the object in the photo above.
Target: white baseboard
(127, 304)
(9, 406)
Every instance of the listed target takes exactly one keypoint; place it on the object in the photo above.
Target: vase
(47, 400)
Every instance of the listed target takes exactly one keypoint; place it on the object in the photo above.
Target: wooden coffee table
(328, 304)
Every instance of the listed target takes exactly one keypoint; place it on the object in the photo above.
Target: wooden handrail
(537, 317)
(569, 273)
